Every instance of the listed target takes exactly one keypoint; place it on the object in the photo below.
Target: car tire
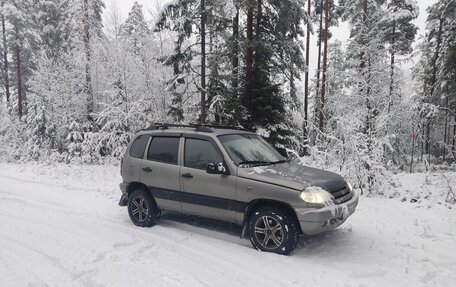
(273, 230)
(142, 208)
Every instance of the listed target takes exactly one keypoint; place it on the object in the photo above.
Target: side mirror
(216, 168)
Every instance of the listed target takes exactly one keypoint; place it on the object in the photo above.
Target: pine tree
(435, 74)
(448, 68)
(247, 99)
(85, 26)
(178, 18)
(278, 56)
(306, 81)
(366, 74)
(325, 61)
(58, 81)
(135, 82)
(5, 70)
(22, 39)
(400, 34)
(52, 26)
(135, 29)
(334, 14)
(221, 56)
(75, 141)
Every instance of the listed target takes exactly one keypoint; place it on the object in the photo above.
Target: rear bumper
(313, 221)
(124, 198)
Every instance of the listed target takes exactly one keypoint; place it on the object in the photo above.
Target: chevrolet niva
(234, 175)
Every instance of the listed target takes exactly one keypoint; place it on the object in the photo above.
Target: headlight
(350, 188)
(316, 195)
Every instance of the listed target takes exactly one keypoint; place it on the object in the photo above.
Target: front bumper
(315, 221)
(124, 198)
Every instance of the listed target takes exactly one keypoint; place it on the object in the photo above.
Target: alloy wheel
(268, 232)
(141, 209)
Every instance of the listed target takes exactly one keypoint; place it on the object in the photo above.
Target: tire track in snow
(44, 268)
(106, 223)
(96, 244)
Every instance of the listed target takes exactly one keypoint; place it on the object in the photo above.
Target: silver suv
(232, 175)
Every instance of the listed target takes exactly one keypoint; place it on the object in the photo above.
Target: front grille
(341, 195)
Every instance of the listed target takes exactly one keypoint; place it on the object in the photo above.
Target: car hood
(293, 175)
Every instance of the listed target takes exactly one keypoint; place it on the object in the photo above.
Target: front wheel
(273, 230)
(142, 208)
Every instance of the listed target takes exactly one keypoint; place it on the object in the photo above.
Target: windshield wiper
(259, 162)
(253, 162)
(278, 161)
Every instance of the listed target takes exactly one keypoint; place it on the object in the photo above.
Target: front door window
(199, 153)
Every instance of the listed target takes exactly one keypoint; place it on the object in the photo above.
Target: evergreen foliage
(80, 87)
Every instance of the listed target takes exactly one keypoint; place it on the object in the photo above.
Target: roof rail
(225, 127)
(164, 126)
(206, 128)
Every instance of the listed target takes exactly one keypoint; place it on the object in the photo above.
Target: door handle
(187, 175)
(147, 169)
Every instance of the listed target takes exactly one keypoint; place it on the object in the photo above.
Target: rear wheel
(142, 208)
(273, 230)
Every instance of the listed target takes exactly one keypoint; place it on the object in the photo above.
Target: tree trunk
(362, 65)
(413, 152)
(88, 83)
(453, 148)
(436, 56)
(325, 64)
(391, 87)
(19, 81)
(306, 82)
(258, 22)
(423, 137)
(19, 76)
(235, 59)
(433, 82)
(257, 59)
(317, 89)
(428, 138)
(249, 66)
(5, 60)
(446, 125)
(203, 62)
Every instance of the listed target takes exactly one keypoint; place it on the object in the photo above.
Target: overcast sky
(125, 6)
(341, 32)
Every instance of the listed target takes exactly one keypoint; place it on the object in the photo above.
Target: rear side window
(164, 149)
(138, 146)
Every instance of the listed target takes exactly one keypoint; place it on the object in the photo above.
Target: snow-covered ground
(61, 226)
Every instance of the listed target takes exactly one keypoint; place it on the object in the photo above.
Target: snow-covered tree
(399, 33)
(435, 74)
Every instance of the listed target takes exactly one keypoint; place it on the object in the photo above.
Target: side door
(204, 194)
(160, 171)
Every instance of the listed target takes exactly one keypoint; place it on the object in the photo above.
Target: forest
(78, 80)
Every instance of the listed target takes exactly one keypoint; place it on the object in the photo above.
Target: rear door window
(164, 149)
(138, 146)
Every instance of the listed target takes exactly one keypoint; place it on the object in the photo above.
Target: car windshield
(250, 150)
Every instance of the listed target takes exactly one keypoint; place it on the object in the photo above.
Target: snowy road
(57, 235)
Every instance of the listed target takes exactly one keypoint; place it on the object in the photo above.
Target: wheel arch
(263, 202)
(136, 185)
(132, 186)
